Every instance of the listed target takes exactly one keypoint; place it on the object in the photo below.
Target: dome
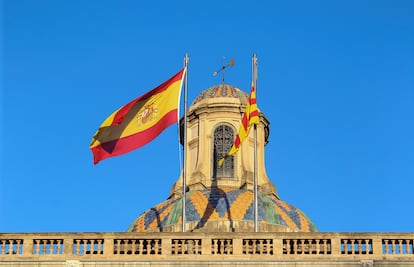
(223, 209)
(222, 91)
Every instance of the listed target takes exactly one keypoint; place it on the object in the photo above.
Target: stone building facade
(219, 214)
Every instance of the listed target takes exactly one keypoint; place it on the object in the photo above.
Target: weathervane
(230, 64)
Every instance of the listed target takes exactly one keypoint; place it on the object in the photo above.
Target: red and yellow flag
(138, 122)
(250, 117)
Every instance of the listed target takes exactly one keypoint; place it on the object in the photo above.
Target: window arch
(223, 141)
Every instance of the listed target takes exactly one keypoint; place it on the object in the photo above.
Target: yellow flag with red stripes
(250, 117)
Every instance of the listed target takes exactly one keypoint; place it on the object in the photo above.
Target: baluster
(400, 246)
(138, 246)
(91, 245)
(44, 243)
(213, 246)
(229, 247)
(393, 246)
(3, 246)
(295, 246)
(157, 246)
(59, 246)
(134, 246)
(359, 243)
(407, 246)
(385, 244)
(52, 246)
(353, 246)
(311, 246)
(37, 246)
(18, 244)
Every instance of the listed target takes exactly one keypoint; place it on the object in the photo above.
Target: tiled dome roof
(222, 204)
(222, 90)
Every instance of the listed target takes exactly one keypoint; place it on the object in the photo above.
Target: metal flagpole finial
(230, 64)
(254, 67)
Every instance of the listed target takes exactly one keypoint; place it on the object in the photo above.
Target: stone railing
(212, 246)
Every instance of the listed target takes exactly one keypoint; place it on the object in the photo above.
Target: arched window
(223, 141)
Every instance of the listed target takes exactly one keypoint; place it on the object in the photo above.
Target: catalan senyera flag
(140, 121)
(250, 117)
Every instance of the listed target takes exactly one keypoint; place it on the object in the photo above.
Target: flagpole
(184, 186)
(256, 208)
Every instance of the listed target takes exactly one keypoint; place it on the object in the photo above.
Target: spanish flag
(140, 121)
(250, 117)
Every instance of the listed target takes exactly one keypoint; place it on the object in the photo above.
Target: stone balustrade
(273, 246)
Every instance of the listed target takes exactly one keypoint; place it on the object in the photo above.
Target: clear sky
(336, 81)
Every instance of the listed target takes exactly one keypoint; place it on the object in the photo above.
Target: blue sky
(336, 81)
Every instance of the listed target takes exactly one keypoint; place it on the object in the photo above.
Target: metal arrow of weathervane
(230, 64)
